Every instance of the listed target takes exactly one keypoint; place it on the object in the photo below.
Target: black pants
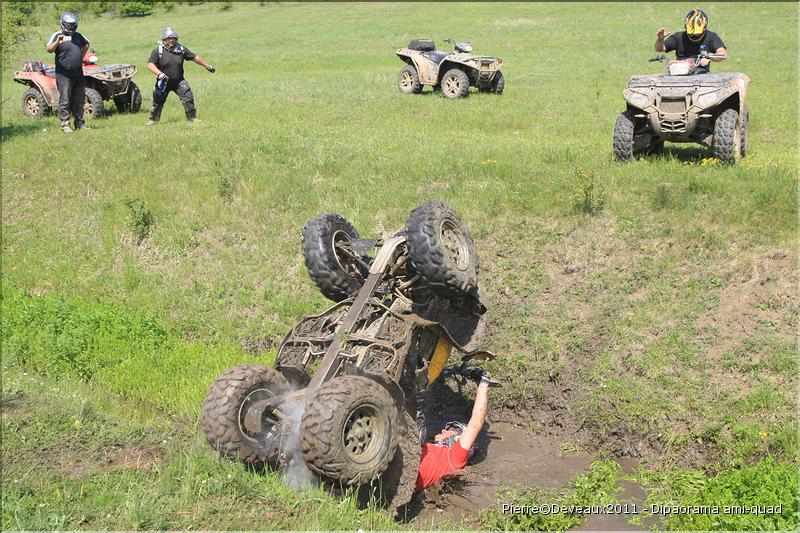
(71, 98)
(183, 91)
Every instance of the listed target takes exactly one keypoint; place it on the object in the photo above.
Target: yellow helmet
(696, 23)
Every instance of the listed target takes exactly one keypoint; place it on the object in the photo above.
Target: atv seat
(422, 45)
(436, 57)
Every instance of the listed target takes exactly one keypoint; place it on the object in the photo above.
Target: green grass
(596, 487)
(661, 292)
(84, 459)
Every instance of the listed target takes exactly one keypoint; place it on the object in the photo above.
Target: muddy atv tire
(225, 422)
(440, 249)
(623, 137)
(131, 101)
(408, 81)
(34, 104)
(743, 130)
(349, 430)
(455, 84)
(330, 261)
(499, 83)
(94, 104)
(727, 140)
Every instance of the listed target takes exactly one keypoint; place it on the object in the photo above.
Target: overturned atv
(348, 387)
(452, 72)
(681, 106)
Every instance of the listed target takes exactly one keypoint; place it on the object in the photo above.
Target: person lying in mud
(453, 446)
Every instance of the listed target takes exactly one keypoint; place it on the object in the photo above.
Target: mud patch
(506, 455)
(138, 457)
(757, 296)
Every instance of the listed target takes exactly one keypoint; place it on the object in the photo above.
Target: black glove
(476, 374)
(211, 69)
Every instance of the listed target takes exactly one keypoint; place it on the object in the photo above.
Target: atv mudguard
(42, 82)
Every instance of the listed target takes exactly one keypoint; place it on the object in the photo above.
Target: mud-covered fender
(44, 83)
(447, 64)
(426, 70)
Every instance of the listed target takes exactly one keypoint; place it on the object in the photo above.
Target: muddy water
(508, 456)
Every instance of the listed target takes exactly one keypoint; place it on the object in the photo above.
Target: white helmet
(69, 22)
(169, 32)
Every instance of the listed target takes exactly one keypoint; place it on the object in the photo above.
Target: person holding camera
(166, 62)
(69, 46)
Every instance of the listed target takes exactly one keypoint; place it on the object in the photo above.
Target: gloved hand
(163, 76)
(476, 374)
(211, 69)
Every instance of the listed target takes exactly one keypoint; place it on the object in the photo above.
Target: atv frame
(681, 106)
(103, 82)
(452, 72)
(349, 385)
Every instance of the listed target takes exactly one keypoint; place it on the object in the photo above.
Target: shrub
(140, 218)
(135, 9)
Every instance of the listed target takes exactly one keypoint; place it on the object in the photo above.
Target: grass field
(645, 309)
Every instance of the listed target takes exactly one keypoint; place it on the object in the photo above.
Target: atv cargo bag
(422, 45)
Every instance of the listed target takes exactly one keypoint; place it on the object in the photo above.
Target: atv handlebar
(663, 57)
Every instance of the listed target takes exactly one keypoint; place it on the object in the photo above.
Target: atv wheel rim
(362, 434)
(406, 81)
(257, 426)
(344, 253)
(32, 105)
(451, 86)
(455, 244)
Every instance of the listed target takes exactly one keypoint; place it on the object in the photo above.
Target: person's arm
(202, 62)
(154, 69)
(54, 42)
(718, 49)
(661, 34)
(720, 52)
(479, 411)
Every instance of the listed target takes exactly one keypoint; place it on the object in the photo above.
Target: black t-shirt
(171, 60)
(69, 58)
(685, 47)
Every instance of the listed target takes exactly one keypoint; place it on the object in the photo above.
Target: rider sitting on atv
(695, 42)
(453, 446)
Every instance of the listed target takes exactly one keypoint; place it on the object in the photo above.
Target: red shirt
(439, 460)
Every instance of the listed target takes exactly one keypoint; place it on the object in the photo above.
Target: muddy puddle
(507, 456)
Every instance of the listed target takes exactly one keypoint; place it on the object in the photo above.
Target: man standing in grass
(695, 41)
(166, 62)
(69, 46)
(453, 446)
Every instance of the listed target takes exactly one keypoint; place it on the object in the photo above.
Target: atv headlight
(640, 100)
(708, 99)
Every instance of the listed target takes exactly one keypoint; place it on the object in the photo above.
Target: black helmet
(696, 22)
(169, 33)
(69, 22)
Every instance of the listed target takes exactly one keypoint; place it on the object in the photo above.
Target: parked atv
(348, 388)
(103, 82)
(452, 72)
(681, 106)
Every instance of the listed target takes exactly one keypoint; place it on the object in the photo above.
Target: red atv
(103, 82)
